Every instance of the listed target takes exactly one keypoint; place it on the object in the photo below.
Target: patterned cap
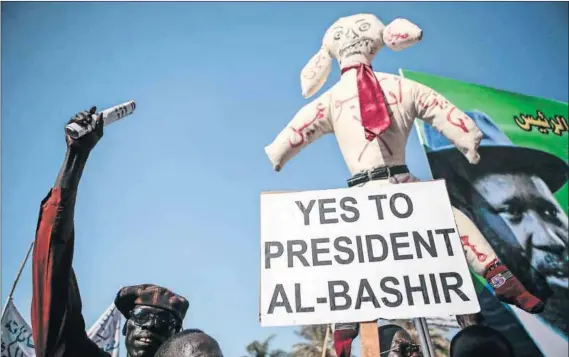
(150, 295)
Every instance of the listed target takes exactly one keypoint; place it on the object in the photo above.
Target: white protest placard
(359, 254)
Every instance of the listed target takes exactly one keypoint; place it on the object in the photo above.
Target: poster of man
(517, 193)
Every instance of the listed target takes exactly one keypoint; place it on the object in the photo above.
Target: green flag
(508, 111)
(517, 196)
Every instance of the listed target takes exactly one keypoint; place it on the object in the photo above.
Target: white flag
(17, 338)
(105, 332)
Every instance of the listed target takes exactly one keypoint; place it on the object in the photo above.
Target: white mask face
(355, 39)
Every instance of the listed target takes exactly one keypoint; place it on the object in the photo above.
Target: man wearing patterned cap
(153, 313)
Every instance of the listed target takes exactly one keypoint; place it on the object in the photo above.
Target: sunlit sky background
(171, 194)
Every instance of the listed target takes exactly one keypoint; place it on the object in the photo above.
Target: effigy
(372, 114)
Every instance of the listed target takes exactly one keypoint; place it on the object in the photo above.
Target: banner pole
(429, 341)
(423, 337)
(325, 346)
(22, 265)
(369, 339)
(421, 323)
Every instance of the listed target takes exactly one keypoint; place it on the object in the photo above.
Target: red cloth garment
(343, 341)
(373, 108)
(58, 326)
(510, 290)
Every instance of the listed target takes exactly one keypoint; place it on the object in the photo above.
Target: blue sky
(171, 194)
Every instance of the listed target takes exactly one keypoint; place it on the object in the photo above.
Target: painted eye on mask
(365, 26)
(337, 35)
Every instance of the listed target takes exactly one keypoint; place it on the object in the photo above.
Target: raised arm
(426, 104)
(309, 124)
(57, 323)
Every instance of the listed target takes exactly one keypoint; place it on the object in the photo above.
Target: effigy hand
(470, 152)
(87, 142)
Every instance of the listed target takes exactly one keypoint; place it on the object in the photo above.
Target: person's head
(509, 196)
(480, 341)
(395, 341)
(190, 343)
(153, 314)
(529, 209)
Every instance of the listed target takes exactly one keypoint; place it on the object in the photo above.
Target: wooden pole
(325, 346)
(369, 337)
(20, 269)
(22, 265)
(421, 323)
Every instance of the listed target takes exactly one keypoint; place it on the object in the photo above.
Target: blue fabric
(492, 135)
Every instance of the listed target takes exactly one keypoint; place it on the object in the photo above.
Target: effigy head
(354, 40)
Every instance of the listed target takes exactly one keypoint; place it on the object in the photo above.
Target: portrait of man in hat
(153, 313)
(509, 195)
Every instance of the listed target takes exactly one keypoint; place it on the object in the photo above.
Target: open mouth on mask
(363, 45)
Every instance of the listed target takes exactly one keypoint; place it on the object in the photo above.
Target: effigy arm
(309, 124)
(453, 123)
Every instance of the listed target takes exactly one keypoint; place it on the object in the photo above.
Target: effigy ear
(314, 74)
(401, 34)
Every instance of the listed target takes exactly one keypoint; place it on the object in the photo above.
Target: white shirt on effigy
(337, 111)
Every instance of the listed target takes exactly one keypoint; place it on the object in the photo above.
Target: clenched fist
(88, 141)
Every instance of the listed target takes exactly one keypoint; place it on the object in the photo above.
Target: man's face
(528, 207)
(147, 328)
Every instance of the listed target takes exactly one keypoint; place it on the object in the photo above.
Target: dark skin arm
(57, 321)
(71, 170)
(78, 151)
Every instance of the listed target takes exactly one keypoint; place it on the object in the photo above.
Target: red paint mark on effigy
(380, 141)
(434, 101)
(459, 123)
(311, 73)
(394, 97)
(466, 243)
(363, 150)
(393, 37)
(300, 131)
(397, 97)
(339, 104)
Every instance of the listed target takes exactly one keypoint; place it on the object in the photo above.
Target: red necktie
(373, 110)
